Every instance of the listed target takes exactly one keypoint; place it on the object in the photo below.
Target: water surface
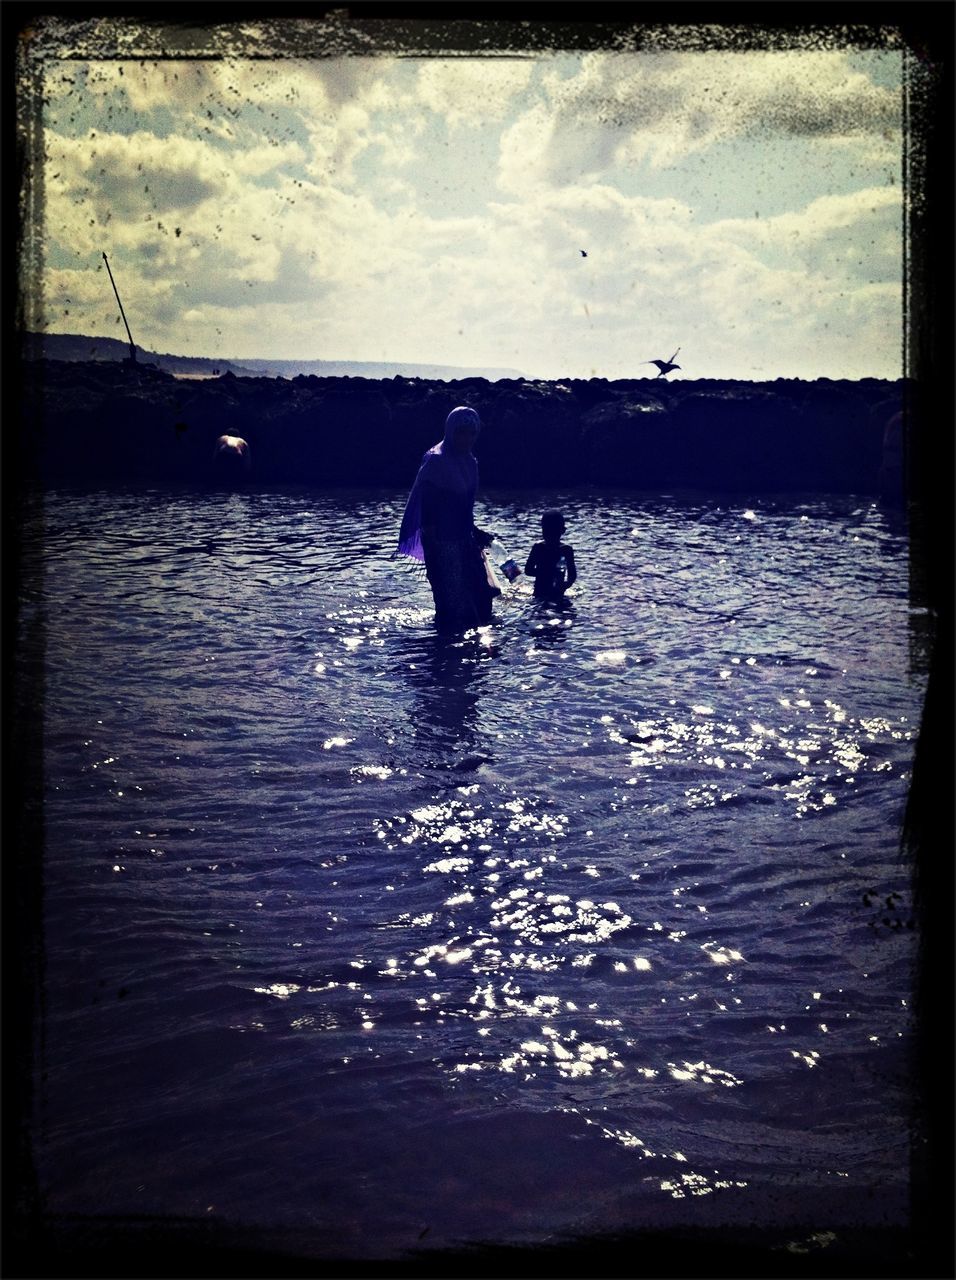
(592, 919)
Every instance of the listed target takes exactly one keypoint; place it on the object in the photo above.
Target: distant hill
(373, 369)
(76, 347)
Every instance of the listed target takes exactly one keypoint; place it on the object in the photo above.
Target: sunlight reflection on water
(628, 868)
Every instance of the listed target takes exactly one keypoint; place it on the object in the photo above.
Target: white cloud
(849, 236)
(822, 216)
(660, 107)
(192, 86)
(337, 142)
(524, 147)
(313, 219)
(472, 90)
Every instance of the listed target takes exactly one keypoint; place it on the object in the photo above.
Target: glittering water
(592, 919)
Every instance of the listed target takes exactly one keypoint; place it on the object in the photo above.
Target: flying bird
(665, 366)
(582, 253)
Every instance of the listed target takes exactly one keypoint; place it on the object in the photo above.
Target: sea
(594, 920)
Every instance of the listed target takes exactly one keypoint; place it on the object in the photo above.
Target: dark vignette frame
(37, 1246)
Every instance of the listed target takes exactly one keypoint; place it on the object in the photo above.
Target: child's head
(552, 525)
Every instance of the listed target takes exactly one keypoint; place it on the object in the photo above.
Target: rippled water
(592, 919)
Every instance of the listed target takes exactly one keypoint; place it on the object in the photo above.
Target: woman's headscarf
(444, 468)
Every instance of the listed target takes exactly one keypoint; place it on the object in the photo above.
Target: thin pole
(132, 349)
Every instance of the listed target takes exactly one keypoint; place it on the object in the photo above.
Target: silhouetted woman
(438, 527)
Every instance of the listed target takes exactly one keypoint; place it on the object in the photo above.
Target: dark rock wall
(111, 423)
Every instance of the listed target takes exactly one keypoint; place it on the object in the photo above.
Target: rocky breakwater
(107, 423)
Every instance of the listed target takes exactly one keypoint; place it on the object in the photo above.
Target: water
(593, 919)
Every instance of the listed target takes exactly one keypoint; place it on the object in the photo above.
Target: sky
(745, 207)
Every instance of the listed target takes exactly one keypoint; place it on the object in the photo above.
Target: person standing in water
(438, 527)
(551, 562)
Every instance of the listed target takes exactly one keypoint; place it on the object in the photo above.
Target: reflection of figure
(447, 680)
(438, 527)
(231, 456)
(551, 562)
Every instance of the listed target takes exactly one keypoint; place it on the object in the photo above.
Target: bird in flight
(582, 253)
(665, 366)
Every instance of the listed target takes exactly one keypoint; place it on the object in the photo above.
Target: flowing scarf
(445, 468)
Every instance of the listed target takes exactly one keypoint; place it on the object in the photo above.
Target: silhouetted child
(551, 562)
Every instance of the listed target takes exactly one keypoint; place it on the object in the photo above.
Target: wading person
(438, 527)
(551, 562)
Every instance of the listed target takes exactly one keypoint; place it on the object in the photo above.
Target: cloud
(657, 108)
(467, 91)
(305, 210)
(188, 86)
(182, 221)
(859, 233)
(338, 275)
(336, 142)
(166, 202)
